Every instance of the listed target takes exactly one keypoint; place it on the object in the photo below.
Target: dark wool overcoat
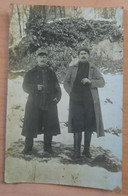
(31, 123)
(97, 81)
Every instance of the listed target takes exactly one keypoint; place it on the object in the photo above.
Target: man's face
(42, 60)
(83, 56)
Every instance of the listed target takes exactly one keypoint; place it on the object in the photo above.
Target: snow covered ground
(111, 105)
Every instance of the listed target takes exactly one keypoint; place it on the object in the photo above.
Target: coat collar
(90, 70)
(76, 65)
(37, 68)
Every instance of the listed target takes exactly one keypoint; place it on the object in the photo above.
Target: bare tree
(19, 20)
(62, 11)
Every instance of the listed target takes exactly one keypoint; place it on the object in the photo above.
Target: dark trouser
(47, 142)
(82, 120)
(77, 142)
(28, 143)
(87, 141)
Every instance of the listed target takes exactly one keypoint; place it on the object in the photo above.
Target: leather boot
(28, 145)
(77, 145)
(87, 141)
(48, 143)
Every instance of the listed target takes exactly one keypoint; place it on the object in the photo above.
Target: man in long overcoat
(81, 83)
(41, 115)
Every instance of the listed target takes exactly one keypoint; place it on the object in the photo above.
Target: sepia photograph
(65, 96)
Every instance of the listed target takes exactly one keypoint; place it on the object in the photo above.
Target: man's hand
(55, 100)
(39, 87)
(86, 80)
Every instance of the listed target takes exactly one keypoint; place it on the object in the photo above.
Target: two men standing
(81, 83)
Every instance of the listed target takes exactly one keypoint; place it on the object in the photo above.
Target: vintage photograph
(64, 99)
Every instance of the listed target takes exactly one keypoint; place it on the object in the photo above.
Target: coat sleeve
(97, 80)
(57, 88)
(28, 86)
(67, 81)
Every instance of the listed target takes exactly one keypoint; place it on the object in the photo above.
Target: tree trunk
(19, 20)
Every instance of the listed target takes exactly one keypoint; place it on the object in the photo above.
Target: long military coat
(31, 119)
(97, 81)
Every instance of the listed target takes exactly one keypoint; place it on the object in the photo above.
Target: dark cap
(83, 49)
(41, 51)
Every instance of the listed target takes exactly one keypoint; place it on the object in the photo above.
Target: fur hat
(83, 49)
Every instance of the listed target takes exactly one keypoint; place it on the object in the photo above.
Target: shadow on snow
(63, 153)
